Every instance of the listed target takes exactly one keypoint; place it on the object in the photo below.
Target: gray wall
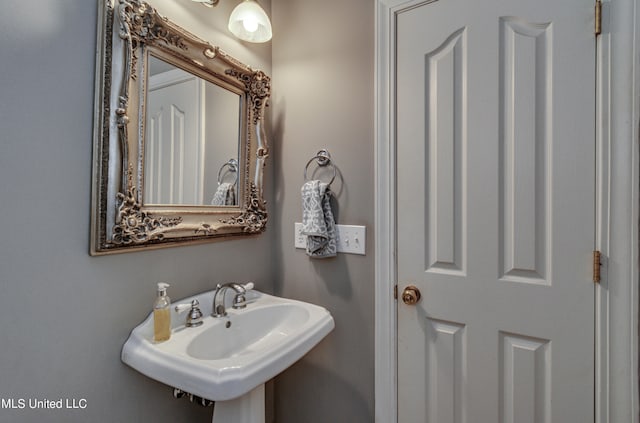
(323, 61)
(63, 314)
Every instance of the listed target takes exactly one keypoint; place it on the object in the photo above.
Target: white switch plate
(351, 238)
(300, 241)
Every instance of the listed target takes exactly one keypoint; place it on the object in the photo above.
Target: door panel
(495, 181)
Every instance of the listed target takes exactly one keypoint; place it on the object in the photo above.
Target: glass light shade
(250, 22)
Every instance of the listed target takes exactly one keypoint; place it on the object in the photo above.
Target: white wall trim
(618, 212)
(385, 252)
(617, 225)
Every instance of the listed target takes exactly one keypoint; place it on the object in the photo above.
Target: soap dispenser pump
(162, 314)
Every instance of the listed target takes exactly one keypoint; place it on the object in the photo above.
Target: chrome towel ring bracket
(232, 166)
(322, 158)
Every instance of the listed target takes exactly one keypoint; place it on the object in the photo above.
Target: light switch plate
(351, 238)
(300, 241)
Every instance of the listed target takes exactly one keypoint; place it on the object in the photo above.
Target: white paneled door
(174, 146)
(495, 106)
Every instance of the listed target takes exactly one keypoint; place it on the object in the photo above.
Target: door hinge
(395, 292)
(597, 263)
(598, 18)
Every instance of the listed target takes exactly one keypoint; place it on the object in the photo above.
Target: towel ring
(323, 158)
(232, 164)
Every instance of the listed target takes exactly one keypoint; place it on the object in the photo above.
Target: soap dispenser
(162, 314)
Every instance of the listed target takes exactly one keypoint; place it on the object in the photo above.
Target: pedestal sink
(228, 359)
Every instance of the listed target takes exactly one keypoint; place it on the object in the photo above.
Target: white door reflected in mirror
(192, 131)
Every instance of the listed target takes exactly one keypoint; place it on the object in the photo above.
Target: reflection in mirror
(192, 132)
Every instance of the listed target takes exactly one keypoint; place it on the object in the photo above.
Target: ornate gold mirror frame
(129, 30)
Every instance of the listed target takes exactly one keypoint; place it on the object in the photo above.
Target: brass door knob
(411, 295)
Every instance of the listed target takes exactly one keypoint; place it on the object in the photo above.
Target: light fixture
(248, 21)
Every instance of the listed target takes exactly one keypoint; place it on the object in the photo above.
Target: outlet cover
(351, 239)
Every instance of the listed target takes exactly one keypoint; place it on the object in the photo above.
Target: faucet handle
(179, 308)
(194, 318)
(240, 301)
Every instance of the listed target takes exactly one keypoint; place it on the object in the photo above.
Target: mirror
(191, 139)
(179, 142)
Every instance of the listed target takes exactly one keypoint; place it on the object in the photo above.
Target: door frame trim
(617, 212)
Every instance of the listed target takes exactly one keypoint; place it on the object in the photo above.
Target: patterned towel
(317, 220)
(225, 195)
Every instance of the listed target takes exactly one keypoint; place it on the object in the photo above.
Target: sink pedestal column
(249, 408)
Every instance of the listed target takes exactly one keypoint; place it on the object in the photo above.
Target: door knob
(411, 295)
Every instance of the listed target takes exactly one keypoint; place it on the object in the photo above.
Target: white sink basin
(226, 357)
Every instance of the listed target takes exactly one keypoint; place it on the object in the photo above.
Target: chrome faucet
(239, 300)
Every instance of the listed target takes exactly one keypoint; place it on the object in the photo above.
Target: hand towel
(225, 195)
(317, 220)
